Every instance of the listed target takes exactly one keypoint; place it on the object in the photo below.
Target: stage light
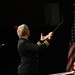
(15, 27)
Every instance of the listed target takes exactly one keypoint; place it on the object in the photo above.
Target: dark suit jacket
(29, 55)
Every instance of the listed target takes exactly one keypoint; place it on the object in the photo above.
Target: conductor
(29, 51)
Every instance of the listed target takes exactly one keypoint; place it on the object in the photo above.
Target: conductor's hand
(50, 35)
(44, 37)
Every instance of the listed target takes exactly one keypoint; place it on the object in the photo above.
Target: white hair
(22, 30)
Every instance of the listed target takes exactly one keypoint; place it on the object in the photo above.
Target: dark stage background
(33, 13)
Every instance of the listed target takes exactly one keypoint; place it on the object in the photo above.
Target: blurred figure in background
(74, 66)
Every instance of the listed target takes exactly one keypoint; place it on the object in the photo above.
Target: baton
(57, 27)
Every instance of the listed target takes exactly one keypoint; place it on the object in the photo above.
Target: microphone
(2, 44)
